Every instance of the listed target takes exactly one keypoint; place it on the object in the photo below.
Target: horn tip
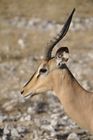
(74, 10)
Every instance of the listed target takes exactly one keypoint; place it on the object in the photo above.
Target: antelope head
(48, 72)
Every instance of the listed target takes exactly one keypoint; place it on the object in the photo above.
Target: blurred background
(25, 28)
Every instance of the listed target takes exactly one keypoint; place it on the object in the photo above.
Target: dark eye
(43, 70)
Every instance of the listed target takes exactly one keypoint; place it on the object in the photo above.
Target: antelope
(54, 75)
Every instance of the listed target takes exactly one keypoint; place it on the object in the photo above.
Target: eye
(43, 70)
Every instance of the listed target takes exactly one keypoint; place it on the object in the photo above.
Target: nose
(22, 91)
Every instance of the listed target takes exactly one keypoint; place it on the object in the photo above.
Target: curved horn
(59, 36)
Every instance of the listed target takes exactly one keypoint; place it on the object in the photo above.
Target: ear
(62, 55)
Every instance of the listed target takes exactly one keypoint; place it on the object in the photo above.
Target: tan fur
(77, 102)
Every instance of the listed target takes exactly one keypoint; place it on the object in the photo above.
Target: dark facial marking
(30, 79)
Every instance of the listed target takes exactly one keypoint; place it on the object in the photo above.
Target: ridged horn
(60, 35)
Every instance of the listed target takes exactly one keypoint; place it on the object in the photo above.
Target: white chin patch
(27, 97)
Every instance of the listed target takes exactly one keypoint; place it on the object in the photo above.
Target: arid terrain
(25, 28)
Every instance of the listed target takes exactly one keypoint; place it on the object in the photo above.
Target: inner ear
(62, 55)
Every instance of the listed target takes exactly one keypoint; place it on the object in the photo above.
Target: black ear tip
(62, 49)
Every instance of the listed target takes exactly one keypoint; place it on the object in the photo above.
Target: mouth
(29, 95)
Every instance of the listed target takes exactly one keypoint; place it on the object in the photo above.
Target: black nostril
(22, 91)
